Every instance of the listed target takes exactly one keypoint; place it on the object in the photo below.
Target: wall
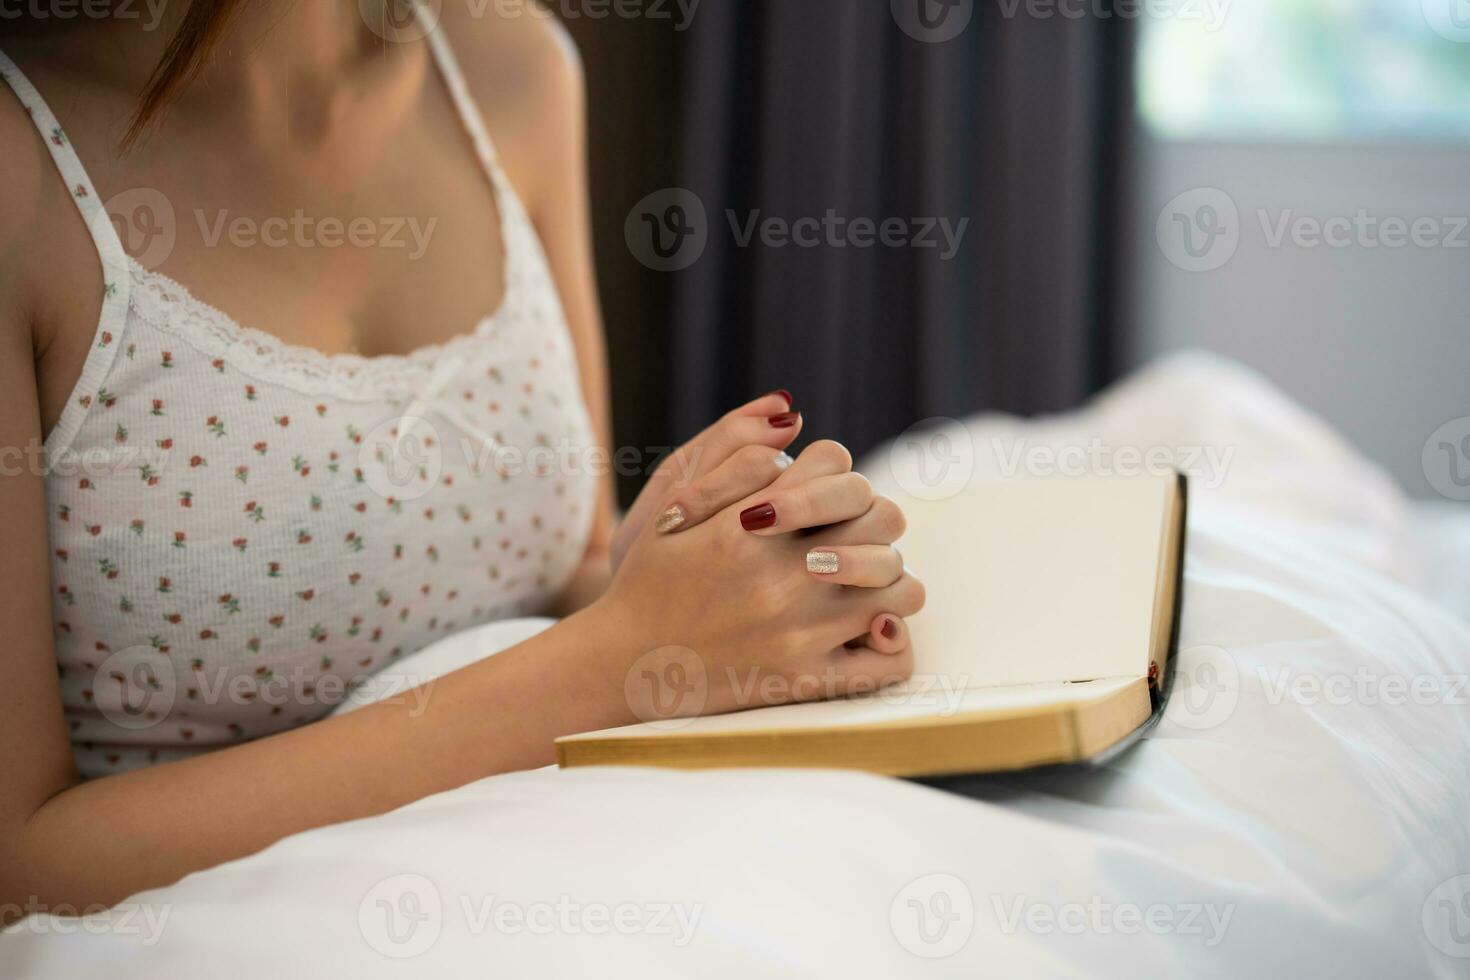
(1375, 340)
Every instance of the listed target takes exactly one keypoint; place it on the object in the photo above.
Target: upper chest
(353, 235)
(342, 235)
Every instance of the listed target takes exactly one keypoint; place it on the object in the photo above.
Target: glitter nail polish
(823, 562)
(670, 519)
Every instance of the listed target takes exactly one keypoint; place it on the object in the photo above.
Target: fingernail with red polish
(784, 394)
(890, 629)
(783, 421)
(757, 518)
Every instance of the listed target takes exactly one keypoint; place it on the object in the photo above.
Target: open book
(1052, 615)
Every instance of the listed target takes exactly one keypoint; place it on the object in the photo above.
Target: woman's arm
(100, 841)
(78, 844)
(69, 843)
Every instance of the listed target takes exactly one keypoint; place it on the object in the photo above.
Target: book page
(1037, 579)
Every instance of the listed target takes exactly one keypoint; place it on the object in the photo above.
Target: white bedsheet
(1256, 832)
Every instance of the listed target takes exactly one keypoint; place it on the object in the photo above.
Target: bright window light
(1274, 70)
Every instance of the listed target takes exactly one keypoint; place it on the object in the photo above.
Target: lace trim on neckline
(169, 306)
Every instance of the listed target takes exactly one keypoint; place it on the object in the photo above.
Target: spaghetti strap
(459, 92)
(517, 237)
(116, 271)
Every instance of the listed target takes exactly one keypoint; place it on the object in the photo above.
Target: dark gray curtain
(795, 107)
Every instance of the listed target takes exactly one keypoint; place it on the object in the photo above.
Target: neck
(294, 69)
(273, 55)
(275, 52)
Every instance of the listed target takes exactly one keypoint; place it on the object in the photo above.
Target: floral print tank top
(244, 530)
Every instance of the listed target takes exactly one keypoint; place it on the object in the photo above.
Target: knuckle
(860, 488)
(890, 518)
(831, 452)
(894, 565)
(664, 469)
(796, 504)
(769, 599)
(678, 463)
(725, 543)
(724, 434)
(703, 498)
(915, 595)
(755, 461)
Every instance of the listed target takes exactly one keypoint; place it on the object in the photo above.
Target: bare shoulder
(513, 50)
(524, 71)
(27, 189)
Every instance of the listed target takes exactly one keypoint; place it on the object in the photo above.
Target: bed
(1301, 808)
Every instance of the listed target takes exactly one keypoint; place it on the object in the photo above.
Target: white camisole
(244, 530)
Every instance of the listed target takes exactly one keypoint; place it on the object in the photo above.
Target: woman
(231, 513)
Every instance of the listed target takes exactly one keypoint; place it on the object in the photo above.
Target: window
(1274, 70)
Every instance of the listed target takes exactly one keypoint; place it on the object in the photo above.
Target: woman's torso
(241, 527)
